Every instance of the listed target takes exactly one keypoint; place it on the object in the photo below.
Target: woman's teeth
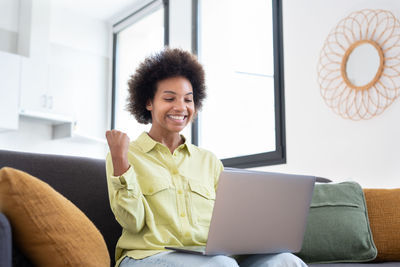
(176, 117)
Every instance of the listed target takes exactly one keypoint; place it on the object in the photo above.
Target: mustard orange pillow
(47, 227)
(384, 216)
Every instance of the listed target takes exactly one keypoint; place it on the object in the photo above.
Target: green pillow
(338, 227)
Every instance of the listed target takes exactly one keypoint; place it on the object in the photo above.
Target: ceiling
(98, 9)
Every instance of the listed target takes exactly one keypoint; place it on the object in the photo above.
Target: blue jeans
(177, 259)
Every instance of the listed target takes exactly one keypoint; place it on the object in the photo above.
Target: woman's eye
(188, 100)
(168, 99)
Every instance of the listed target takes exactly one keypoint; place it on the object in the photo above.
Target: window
(135, 37)
(240, 45)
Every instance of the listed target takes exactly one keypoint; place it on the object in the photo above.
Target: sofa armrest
(5, 241)
(322, 180)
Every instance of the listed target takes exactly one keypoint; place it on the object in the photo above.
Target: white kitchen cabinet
(46, 89)
(62, 89)
(34, 46)
(40, 88)
(10, 65)
(34, 85)
(39, 99)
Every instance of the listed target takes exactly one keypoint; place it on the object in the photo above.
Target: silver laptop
(257, 212)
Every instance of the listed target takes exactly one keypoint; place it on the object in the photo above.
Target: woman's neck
(171, 140)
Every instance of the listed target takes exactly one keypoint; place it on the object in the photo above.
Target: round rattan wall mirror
(359, 65)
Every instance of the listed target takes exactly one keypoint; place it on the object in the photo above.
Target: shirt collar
(147, 143)
(186, 145)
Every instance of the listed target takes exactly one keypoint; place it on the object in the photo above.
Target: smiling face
(172, 107)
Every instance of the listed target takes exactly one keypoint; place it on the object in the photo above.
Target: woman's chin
(177, 128)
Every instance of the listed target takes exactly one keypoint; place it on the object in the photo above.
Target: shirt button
(175, 172)
(151, 190)
(183, 214)
(180, 191)
(187, 234)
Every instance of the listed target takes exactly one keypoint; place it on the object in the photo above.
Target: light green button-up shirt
(163, 199)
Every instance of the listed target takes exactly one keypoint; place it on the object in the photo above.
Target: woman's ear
(149, 105)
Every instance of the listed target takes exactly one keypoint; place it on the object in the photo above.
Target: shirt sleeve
(126, 199)
(219, 168)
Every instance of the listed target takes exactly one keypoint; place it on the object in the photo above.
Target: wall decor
(359, 65)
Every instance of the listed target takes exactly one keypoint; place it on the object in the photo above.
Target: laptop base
(198, 250)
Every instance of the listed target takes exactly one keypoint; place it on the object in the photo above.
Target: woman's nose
(180, 105)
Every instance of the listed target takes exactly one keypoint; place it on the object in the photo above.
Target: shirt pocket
(202, 202)
(159, 197)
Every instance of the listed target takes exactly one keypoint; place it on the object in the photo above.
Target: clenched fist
(118, 143)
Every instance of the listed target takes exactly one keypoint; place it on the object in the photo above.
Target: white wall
(319, 142)
(36, 137)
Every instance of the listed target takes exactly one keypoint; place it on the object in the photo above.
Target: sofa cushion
(5, 241)
(384, 217)
(338, 227)
(367, 264)
(47, 227)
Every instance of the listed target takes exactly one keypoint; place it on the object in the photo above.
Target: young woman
(162, 188)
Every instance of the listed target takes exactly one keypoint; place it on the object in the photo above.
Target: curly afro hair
(166, 64)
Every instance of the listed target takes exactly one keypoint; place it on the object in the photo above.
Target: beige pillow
(48, 228)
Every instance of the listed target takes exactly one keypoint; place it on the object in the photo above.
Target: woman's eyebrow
(172, 92)
(169, 92)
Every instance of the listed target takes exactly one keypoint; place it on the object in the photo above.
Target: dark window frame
(115, 50)
(278, 156)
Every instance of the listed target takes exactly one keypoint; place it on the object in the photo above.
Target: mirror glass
(363, 64)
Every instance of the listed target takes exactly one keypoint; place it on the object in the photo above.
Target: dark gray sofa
(83, 181)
